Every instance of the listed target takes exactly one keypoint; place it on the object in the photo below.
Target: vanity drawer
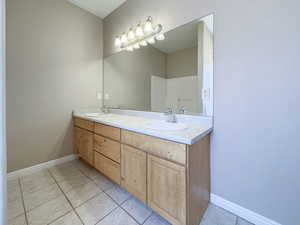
(163, 148)
(108, 131)
(85, 124)
(108, 167)
(107, 147)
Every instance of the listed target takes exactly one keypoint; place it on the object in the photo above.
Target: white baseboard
(240, 211)
(38, 167)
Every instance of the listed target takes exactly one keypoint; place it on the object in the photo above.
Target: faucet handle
(105, 109)
(182, 110)
(168, 111)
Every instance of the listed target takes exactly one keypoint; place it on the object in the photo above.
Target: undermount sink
(165, 126)
(98, 115)
(93, 114)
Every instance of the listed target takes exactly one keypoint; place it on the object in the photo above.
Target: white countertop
(196, 126)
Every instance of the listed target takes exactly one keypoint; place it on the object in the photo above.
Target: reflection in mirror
(175, 73)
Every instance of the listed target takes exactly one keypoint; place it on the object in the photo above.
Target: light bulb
(160, 37)
(157, 28)
(118, 41)
(124, 38)
(148, 25)
(136, 46)
(139, 31)
(143, 43)
(130, 49)
(151, 40)
(131, 35)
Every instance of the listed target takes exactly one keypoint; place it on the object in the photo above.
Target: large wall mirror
(174, 73)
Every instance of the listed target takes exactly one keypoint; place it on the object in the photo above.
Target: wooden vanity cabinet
(172, 178)
(108, 167)
(167, 189)
(84, 144)
(107, 152)
(107, 147)
(84, 124)
(134, 172)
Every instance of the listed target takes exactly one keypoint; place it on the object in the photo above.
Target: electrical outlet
(205, 94)
(106, 96)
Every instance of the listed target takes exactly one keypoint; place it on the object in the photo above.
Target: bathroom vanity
(169, 174)
(166, 165)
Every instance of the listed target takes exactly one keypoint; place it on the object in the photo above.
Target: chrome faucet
(171, 116)
(183, 110)
(105, 109)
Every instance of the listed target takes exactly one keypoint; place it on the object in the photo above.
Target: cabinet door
(85, 145)
(77, 136)
(134, 171)
(167, 189)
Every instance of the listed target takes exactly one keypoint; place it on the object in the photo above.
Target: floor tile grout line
(52, 221)
(39, 189)
(91, 181)
(43, 202)
(107, 215)
(65, 198)
(119, 205)
(74, 208)
(123, 208)
(54, 183)
(95, 196)
(148, 217)
(23, 202)
(104, 191)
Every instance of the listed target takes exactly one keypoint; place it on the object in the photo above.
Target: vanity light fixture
(130, 49)
(139, 31)
(151, 40)
(140, 35)
(118, 42)
(160, 37)
(131, 34)
(136, 46)
(148, 28)
(124, 39)
(143, 43)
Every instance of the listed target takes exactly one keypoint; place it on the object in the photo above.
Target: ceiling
(183, 37)
(100, 8)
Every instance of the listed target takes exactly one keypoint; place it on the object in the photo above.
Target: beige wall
(54, 65)
(127, 77)
(182, 63)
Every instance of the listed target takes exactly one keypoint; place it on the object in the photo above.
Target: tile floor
(75, 194)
